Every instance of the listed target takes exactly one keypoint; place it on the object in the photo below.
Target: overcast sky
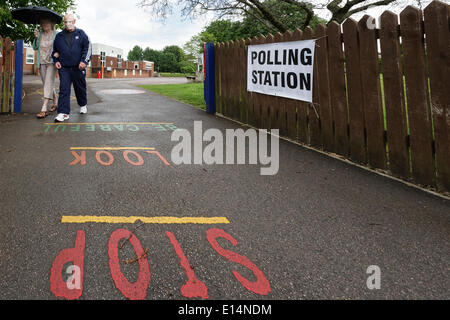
(122, 24)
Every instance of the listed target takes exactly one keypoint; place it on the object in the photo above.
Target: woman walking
(43, 43)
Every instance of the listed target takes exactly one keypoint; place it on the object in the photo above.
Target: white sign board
(283, 69)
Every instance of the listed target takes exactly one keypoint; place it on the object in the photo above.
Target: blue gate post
(209, 86)
(18, 76)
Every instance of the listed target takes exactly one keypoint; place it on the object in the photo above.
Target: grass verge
(190, 93)
(176, 75)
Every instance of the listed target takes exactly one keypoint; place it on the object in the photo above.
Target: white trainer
(83, 110)
(61, 117)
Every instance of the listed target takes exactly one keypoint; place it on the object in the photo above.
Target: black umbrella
(33, 15)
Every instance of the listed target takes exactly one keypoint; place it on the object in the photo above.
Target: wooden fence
(382, 104)
(6, 75)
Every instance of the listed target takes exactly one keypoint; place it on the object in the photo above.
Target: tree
(169, 63)
(287, 14)
(266, 11)
(18, 30)
(152, 55)
(248, 27)
(187, 67)
(176, 51)
(170, 59)
(195, 45)
(340, 11)
(136, 54)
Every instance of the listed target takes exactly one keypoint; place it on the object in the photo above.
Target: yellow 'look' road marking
(99, 123)
(112, 148)
(151, 220)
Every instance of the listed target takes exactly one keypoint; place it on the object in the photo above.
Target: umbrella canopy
(33, 15)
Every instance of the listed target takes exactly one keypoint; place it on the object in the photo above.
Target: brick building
(113, 64)
(29, 60)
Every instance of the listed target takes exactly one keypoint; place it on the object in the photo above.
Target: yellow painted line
(111, 148)
(151, 220)
(90, 123)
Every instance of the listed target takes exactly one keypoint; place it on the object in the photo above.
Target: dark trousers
(67, 77)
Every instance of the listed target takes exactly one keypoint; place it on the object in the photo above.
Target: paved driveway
(200, 231)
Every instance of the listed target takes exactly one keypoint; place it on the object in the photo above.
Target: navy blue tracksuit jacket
(70, 56)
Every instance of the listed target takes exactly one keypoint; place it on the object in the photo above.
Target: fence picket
(437, 39)
(237, 73)
(322, 75)
(259, 98)
(313, 108)
(242, 74)
(278, 110)
(337, 89)
(6, 94)
(394, 96)
(227, 81)
(252, 116)
(354, 89)
(229, 68)
(291, 104)
(371, 93)
(267, 101)
(1, 72)
(234, 93)
(302, 107)
(217, 60)
(419, 114)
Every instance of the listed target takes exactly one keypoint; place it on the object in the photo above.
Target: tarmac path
(202, 231)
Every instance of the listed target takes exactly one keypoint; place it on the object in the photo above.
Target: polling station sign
(282, 69)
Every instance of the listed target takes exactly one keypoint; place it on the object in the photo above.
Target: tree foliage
(170, 59)
(268, 12)
(18, 30)
(225, 30)
(135, 54)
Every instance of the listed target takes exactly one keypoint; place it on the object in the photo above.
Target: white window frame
(29, 56)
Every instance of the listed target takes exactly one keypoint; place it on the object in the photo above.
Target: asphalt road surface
(318, 229)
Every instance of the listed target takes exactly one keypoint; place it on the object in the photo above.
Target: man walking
(71, 53)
